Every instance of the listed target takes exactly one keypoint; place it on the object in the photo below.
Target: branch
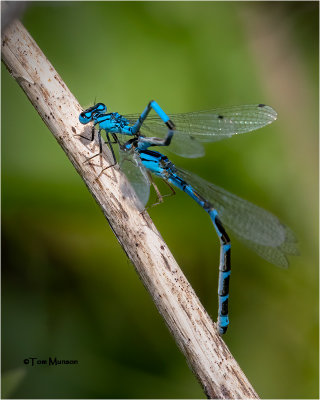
(194, 332)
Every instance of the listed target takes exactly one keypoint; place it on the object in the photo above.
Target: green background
(68, 290)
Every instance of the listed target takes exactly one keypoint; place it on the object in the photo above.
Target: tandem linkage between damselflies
(184, 134)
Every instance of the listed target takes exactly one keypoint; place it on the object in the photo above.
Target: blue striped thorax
(155, 162)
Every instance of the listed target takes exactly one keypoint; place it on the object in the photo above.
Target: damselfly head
(88, 115)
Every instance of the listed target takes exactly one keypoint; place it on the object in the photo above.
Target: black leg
(109, 143)
(100, 147)
(92, 134)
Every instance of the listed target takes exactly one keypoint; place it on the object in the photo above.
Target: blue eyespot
(100, 107)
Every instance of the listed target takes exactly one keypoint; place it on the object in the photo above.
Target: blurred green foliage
(68, 290)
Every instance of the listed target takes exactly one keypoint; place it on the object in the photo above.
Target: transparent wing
(186, 146)
(212, 125)
(207, 126)
(255, 227)
(136, 174)
(222, 123)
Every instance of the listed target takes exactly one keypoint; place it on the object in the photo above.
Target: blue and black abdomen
(160, 165)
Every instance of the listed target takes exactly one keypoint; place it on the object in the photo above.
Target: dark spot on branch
(166, 262)
(73, 129)
(98, 182)
(226, 393)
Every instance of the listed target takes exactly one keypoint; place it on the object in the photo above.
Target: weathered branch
(187, 320)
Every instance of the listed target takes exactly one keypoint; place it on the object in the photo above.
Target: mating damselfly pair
(184, 134)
